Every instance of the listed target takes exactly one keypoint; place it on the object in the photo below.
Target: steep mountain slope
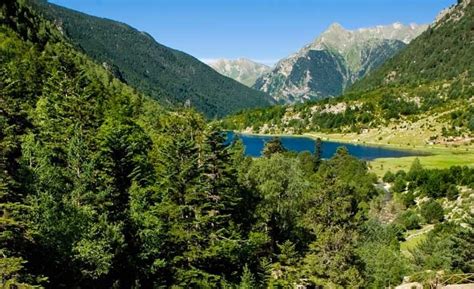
(168, 75)
(335, 60)
(424, 95)
(243, 70)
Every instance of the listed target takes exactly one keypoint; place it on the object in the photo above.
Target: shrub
(432, 212)
(401, 174)
(389, 177)
(273, 146)
(415, 171)
(399, 185)
(409, 220)
(452, 192)
(408, 198)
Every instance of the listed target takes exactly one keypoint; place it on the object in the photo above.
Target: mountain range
(322, 69)
(243, 70)
(334, 61)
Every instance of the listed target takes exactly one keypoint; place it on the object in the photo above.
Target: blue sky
(263, 30)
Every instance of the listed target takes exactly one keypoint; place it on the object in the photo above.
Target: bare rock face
(243, 70)
(334, 60)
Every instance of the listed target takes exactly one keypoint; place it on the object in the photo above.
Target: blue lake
(254, 145)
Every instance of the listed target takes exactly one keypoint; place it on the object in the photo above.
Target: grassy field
(439, 159)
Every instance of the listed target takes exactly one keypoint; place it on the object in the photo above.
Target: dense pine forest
(101, 187)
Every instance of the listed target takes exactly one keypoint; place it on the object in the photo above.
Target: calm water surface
(254, 145)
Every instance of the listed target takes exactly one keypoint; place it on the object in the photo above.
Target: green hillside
(444, 52)
(168, 75)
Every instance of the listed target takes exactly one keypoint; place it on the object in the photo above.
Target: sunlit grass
(440, 159)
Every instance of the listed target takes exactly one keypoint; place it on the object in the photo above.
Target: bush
(408, 199)
(471, 124)
(389, 177)
(416, 170)
(409, 220)
(452, 192)
(432, 212)
(399, 185)
(401, 174)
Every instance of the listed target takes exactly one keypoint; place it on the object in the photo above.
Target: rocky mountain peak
(335, 27)
(334, 60)
(242, 69)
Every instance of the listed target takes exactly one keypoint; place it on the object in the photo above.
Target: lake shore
(438, 156)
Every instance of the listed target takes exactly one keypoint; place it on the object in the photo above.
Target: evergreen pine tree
(318, 153)
(273, 146)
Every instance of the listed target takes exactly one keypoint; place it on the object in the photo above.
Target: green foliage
(409, 220)
(255, 118)
(10, 274)
(273, 146)
(394, 108)
(336, 209)
(399, 185)
(408, 198)
(247, 280)
(452, 192)
(280, 185)
(437, 183)
(439, 250)
(385, 265)
(363, 110)
(416, 170)
(389, 177)
(464, 245)
(471, 123)
(331, 260)
(463, 118)
(285, 270)
(318, 152)
(432, 212)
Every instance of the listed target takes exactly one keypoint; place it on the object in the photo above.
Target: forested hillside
(100, 187)
(170, 76)
(427, 88)
(442, 53)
